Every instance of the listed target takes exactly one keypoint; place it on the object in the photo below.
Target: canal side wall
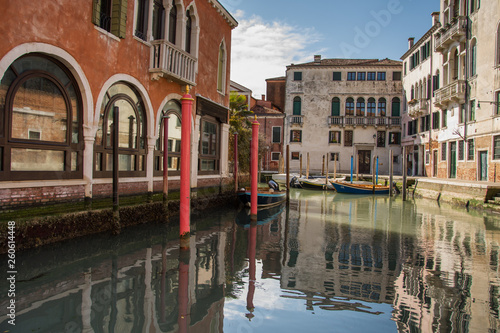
(462, 193)
(39, 231)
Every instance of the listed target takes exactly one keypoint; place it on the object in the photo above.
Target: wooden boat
(314, 184)
(265, 198)
(264, 216)
(352, 188)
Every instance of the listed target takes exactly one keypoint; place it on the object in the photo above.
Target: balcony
(454, 92)
(343, 121)
(451, 34)
(418, 107)
(296, 120)
(172, 63)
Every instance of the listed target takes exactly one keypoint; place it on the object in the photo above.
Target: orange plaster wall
(67, 24)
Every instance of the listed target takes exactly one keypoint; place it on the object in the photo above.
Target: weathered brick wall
(30, 196)
(102, 190)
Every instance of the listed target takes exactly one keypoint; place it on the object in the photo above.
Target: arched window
(335, 107)
(396, 107)
(297, 106)
(360, 107)
(172, 23)
(412, 93)
(221, 73)
(429, 87)
(131, 127)
(382, 105)
(473, 57)
(40, 121)
(173, 110)
(159, 20)
(371, 107)
(188, 31)
(349, 107)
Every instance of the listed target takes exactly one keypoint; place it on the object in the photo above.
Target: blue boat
(351, 188)
(264, 216)
(265, 198)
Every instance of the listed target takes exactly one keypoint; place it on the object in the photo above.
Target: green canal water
(327, 263)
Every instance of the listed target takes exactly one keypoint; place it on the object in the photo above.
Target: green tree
(240, 124)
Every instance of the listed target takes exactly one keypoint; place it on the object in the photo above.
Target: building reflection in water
(436, 268)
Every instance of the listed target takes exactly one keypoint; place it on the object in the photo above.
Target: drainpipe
(466, 97)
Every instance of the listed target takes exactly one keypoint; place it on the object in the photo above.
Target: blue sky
(275, 33)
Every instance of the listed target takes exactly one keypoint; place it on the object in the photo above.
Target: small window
(427, 157)
(435, 120)
(334, 137)
(497, 103)
(496, 147)
(396, 76)
(348, 138)
(444, 119)
(395, 159)
(295, 155)
(443, 151)
(295, 136)
(472, 111)
(276, 134)
(141, 25)
(361, 76)
(337, 76)
(461, 150)
(371, 76)
(394, 138)
(470, 150)
(381, 76)
(297, 76)
(334, 157)
(351, 76)
(380, 138)
(275, 156)
(34, 135)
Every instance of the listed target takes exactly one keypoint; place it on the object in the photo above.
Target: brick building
(76, 62)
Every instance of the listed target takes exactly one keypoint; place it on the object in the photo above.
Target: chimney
(263, 97)
(410, 42)
(317, 59)
(435, 18)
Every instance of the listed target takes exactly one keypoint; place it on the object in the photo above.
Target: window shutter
(96, 12)
(119, 18)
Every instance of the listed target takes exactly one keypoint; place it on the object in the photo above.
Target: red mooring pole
(185, 204)
(255, 167)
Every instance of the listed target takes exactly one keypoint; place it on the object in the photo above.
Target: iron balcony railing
(169, 61)
(363, 121)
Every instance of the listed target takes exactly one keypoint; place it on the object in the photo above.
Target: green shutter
(96, 12)
(395, 109)
(297, 106)
(335, 108)
(119, 18)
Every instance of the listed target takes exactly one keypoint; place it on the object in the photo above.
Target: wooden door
(364, 157)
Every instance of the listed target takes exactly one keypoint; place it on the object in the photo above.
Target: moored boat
(314, 184)
(352, 188)
(265, 198)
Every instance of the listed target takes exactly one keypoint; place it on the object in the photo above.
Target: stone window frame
(158, 151)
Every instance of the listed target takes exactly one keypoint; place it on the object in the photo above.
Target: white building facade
(451, 78)
(343, 108)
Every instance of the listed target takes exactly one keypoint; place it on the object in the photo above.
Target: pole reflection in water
(329, 262)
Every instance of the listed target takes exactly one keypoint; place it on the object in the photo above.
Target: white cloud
(262, 50)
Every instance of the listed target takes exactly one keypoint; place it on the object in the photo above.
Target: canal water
(328, 263)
